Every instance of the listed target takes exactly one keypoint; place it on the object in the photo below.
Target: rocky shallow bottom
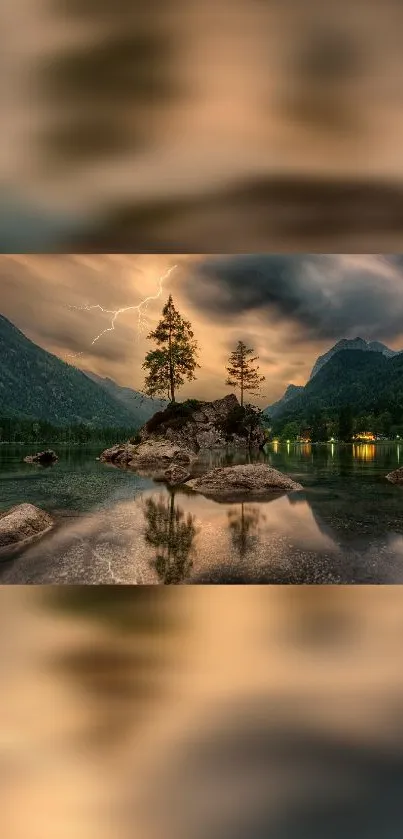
(174, 536)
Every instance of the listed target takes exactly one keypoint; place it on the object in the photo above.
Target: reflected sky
(344, 527)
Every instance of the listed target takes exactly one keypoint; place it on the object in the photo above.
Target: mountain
(345, 345)
(292, 390)
(138, 404)
(353, 344)
(34, 384)
(365, 381)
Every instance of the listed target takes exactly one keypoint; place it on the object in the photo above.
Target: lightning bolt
(115, 313)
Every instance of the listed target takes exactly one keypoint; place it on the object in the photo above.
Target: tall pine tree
(174, 358)
(242, 371)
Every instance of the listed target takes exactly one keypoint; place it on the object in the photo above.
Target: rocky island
(170, 443)
(175, 436)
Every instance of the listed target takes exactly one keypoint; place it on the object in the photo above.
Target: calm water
(115, 527)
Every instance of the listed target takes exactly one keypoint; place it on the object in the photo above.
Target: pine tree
(243, 372)
(174, 358)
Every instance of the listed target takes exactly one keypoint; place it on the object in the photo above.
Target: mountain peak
(359, 344)
(356, 344)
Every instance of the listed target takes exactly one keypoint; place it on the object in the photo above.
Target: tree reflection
(243, 522)
(171, 532)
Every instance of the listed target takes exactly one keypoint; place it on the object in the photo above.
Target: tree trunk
(171, 369)
(242, 384)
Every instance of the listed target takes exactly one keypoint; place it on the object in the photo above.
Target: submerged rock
(120, 454)
(176, 474)
(21, 523)
(249, 480)
(44, 458)
(395, 477)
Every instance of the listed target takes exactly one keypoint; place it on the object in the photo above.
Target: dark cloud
(290, 308)
(326, 295)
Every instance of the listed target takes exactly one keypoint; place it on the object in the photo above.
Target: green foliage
(41, 433)
(35, 385)
(242, 371)
(174, 358)
(319, 428)
(362, 391)
(242, 421)
(291, 431)
(232, 423)
(346, 425)
(176, 415)
(193, 403)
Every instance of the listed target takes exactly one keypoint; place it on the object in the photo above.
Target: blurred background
(179, 126)
(228, 712)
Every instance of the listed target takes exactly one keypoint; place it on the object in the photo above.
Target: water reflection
(342, 528)
(346, 461)
(171, 532)
(364, 452)
(325, 453)
(244, 523)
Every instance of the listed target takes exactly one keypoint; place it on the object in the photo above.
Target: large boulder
(251, 480)
(22, 523)
(43, 458)
(160, 453)
(395, 477)
(151, 456)
(121, 454)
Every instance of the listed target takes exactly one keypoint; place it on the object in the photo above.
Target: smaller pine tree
(242, 371)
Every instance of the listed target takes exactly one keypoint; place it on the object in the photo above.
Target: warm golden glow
(364, 452)
(364, 435)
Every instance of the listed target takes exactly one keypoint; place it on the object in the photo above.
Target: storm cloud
(290, 308)
(328, 296)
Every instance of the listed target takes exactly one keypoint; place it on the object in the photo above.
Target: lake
(114, 527)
